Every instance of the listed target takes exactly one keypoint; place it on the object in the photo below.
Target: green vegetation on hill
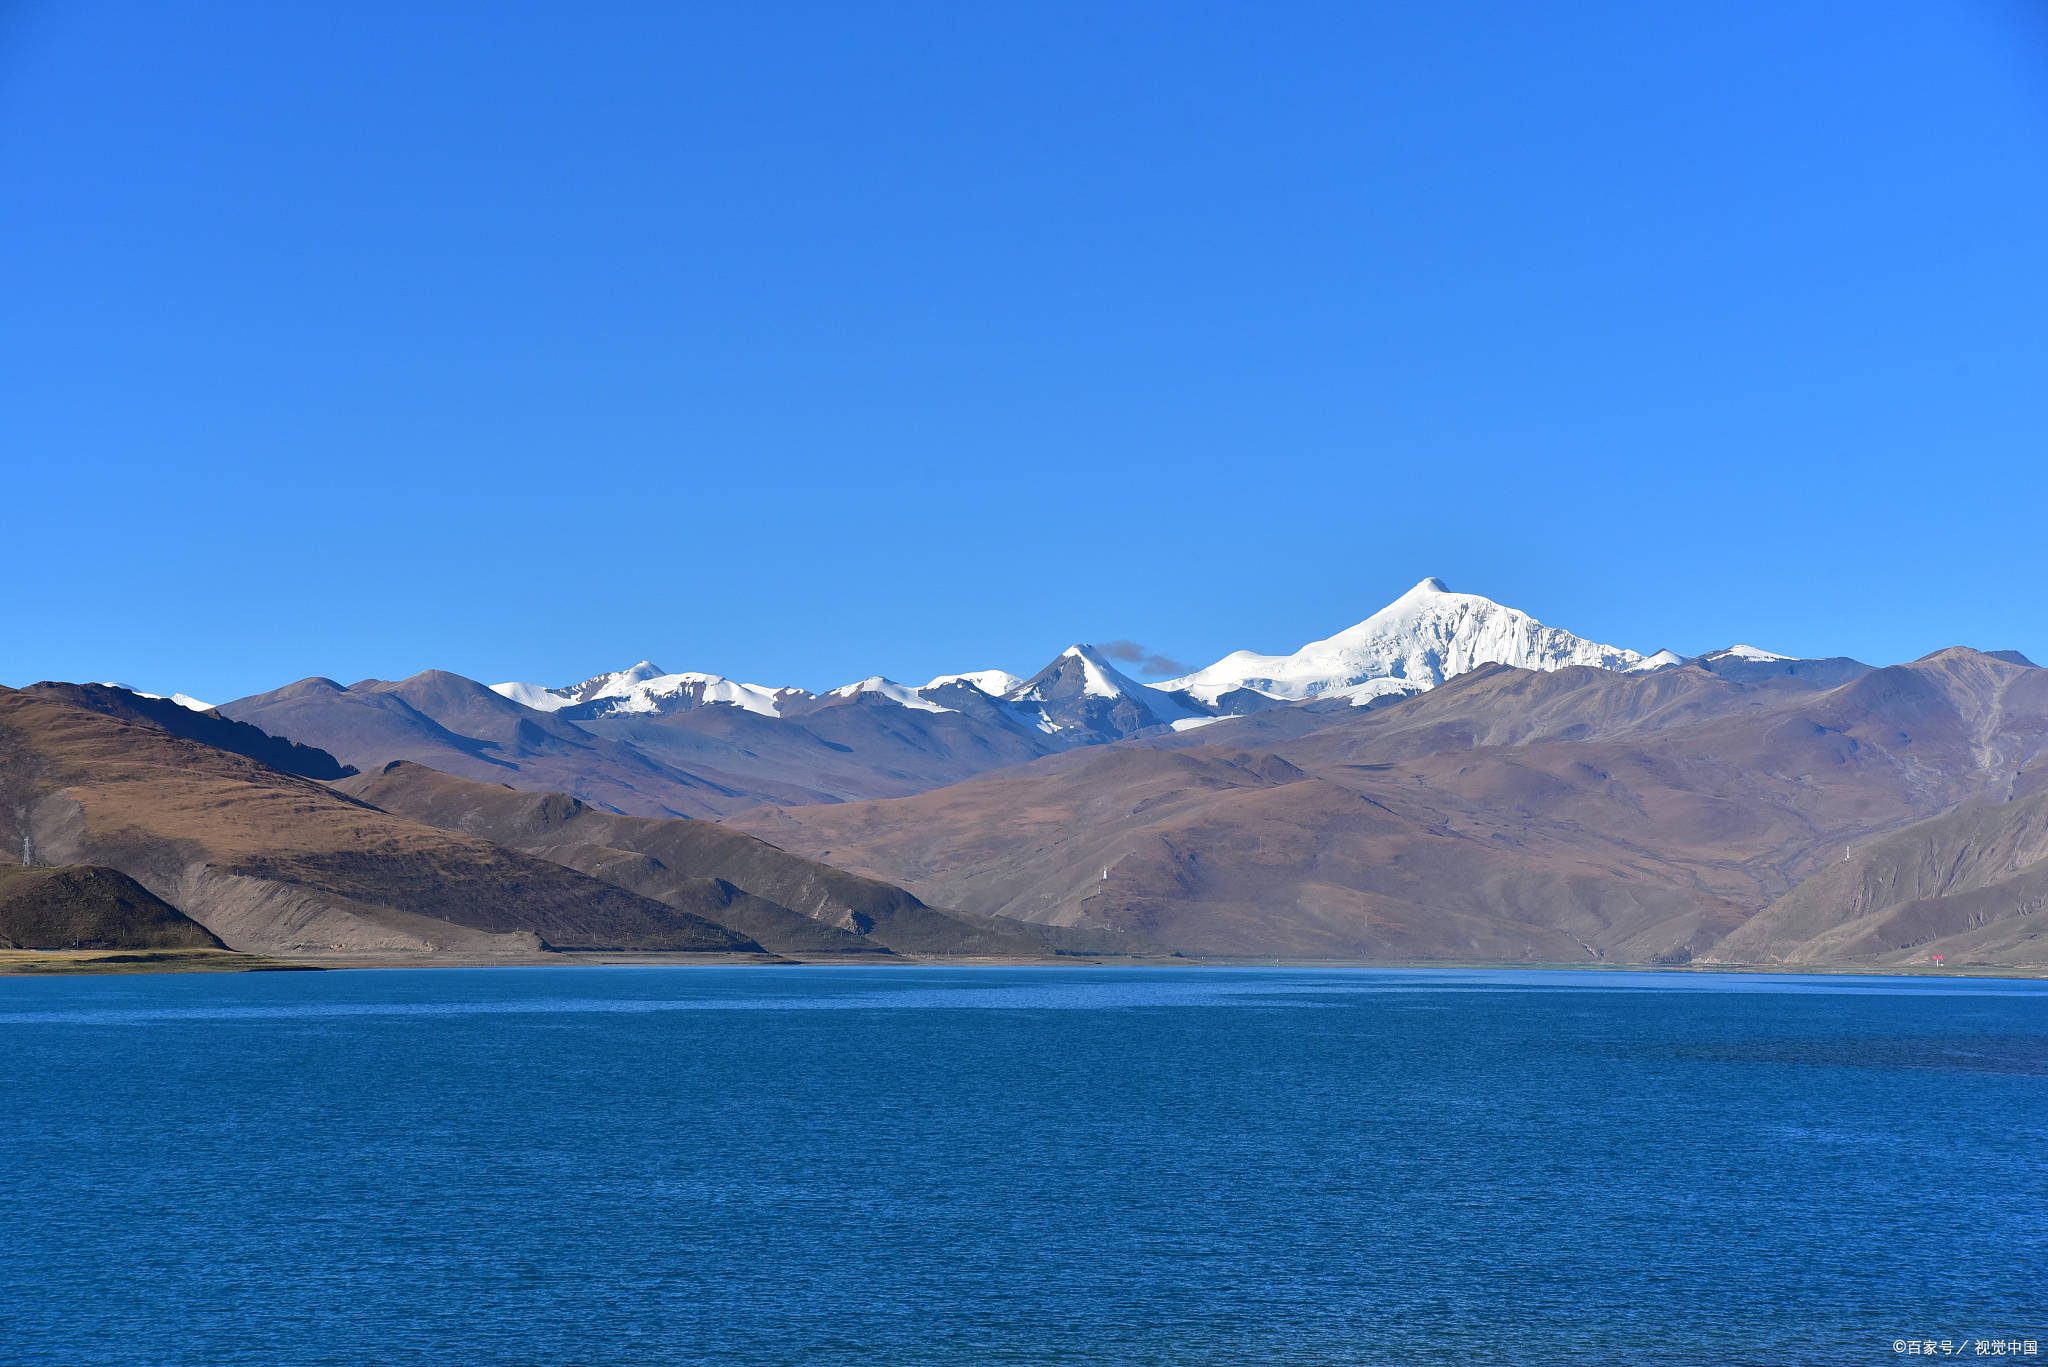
(85, 906)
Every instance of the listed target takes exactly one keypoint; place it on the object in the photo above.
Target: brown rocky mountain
(407, 858)
(210, 728)
(274, 862)
(680, 754)
(82, 906)
(1496, 705)
(1970, 885)
(835, 749)
(700, 761)
(644, 742)
(1696, 812)
(1507, 814)
(790, 904)
(460, 727)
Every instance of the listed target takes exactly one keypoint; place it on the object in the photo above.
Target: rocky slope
(789, 904)
(458, 725)
(273, 862)
(1970, 885)
(1577, 813)
(185, 718)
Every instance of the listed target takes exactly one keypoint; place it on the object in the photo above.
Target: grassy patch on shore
(27, 962)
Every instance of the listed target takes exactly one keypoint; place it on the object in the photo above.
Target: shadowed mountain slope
(798, 905)
(208, 728)
(83, 906)
(271, 861)
(461, 727)
(836, 748)
(699, 761)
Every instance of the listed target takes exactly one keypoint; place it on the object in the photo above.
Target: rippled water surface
(899, 1166)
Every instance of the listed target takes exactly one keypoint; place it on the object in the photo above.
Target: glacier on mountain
(1749, 653)
(994, 682)
(646, 688)
(1427, 635)
(888, 688)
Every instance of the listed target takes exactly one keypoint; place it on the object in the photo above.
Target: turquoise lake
(901, 1166)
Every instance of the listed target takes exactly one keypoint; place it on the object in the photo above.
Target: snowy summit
(1427, 635)
(185, 700)
(646, 688)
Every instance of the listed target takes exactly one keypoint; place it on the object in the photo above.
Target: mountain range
(1573, 814)
(1448, 779)
(644, 741)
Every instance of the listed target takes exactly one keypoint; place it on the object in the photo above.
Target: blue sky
(805, 342)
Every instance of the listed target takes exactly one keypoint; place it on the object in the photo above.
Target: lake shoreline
(38, 963)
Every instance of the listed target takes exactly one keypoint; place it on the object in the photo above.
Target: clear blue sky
(805, 342)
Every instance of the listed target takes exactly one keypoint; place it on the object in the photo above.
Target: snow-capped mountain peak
(1098, 677)
(619, 683)
(185, 700)
(1749, 653)
(1427, 635)
(876, 685)
(539, 697)
(647, 688)
(1082, 692)
(1080, 669)
(994, 682)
